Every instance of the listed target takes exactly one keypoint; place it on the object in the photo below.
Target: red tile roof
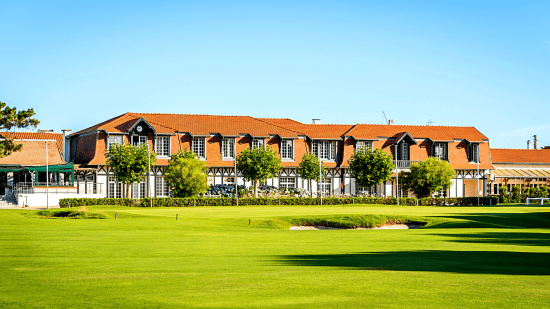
(194, 124)
(313, 131)
(435, 133)
(35, 136)
(520, 155)
(33, 153)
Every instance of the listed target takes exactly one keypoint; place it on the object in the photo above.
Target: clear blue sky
(459, 63)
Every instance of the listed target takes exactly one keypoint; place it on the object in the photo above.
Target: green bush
(250, 201)
(503, 196)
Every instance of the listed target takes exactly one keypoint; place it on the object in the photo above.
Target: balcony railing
(404, 164)
(53, 188)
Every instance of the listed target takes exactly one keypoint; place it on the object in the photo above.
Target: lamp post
(396, 177)
(477, 176)
(149, 176)
(236, 183)
(320, 185)
(47, 180)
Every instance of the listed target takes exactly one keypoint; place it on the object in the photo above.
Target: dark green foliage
(427, 177)
(503, 196)
(515, 195)
(11, 118)
(341, 221)
(258, 165)
(70, 213)
(186, 175)
(248, 201)
(371, 167)
(309, 169)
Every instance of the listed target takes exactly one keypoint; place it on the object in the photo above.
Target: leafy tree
(428, 177)
(11, 118)
(371, 167)
(129, 163)
(258, 165)
(186, 174)
(503, 194)
(309, 169)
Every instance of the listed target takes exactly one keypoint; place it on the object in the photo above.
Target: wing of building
(523, 167)
(218, 139)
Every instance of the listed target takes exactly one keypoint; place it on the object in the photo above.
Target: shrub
(249, 201)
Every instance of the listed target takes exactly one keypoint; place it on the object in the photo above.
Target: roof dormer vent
(316, 121)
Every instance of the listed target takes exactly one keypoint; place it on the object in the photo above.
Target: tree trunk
(256, 187)
(311, 188)
(127, 190)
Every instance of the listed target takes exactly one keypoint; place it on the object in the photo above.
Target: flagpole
(149, 175)
(47, 180)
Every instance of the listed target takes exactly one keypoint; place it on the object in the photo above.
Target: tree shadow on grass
(506, 238)
(498, 220)
(464, 262)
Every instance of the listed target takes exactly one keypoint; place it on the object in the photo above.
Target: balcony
(404, 164)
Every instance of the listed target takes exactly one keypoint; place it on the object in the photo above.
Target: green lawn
(466, 257)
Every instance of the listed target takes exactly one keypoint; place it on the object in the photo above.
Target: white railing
(542, 199)
(58, 188)
(404, 163)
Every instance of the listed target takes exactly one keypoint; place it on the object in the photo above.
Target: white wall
(42, 200)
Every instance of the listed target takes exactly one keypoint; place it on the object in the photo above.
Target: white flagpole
(396, 177)
(148, 175)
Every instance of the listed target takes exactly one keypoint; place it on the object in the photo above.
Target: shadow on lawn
(506, 238)
(499, 220)
(465, 262)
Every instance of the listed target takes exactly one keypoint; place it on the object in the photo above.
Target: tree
(129, 163)
(309, 169)
(371, 167)
(258, 164)
(427, 177)
(186, 174)
(11, 118)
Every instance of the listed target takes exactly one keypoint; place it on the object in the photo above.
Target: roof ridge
(278, 126)
(97, 126)
(190, 114)
(518, 149)
(414, 125)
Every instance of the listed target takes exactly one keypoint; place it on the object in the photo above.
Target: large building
(217, 140)
(526, 168)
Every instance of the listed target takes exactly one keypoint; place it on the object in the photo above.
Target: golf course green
(210, 257)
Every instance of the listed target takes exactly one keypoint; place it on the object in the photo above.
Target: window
(258, 143)
(139, 140)
(363, 145)
(326, 186)
(325, 150)
(115, 188)
(404, 151)
(440, 151)
(287, 182)
(199, 147)
(228, 148)
(114, 139)
(287, 149)
(162, 146)
(474, 153)
(161, 187)
(229, 180)
(138, 190)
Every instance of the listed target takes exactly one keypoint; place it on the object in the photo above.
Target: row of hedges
(248, 201)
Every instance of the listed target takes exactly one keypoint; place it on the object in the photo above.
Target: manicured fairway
(467, 257)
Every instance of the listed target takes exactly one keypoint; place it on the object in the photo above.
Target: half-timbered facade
(217, 140)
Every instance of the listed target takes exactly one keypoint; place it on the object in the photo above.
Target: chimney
(45, 131)
(66, 144)
(528, 144)
(535, 141)
(316, 121)
(390, 122)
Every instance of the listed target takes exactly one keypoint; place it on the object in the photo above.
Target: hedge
(247, 201)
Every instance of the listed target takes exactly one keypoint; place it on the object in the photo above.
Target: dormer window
(440, 151)
(139, 140)
(199, 147)
(162, 146)
(325, 150)
(473, 153)
(363, 146)
(113, 139)
(258, 144)
(228, 148)
(403, 151)
(287, 149)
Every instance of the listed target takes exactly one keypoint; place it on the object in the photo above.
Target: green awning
(67, 168)
(4, 169)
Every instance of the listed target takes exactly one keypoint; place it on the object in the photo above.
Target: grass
(80, 213)
(341, 221)
(211, 258)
